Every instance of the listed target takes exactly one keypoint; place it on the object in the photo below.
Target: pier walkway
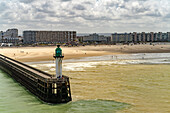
(29, 68)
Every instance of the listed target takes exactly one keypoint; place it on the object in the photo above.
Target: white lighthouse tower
(58, 57)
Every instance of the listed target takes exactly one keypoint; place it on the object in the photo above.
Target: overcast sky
(86, 16)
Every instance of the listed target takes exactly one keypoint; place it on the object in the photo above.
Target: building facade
(140, 37)
(95, 38)
(122, 37)
(31, 37)
(168, 34)
(9, 36)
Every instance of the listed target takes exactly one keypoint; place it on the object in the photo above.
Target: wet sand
(31, 54)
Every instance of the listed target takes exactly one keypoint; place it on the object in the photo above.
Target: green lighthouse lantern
(58, 51)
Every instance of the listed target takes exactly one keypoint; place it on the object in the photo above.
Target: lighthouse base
(59, 67)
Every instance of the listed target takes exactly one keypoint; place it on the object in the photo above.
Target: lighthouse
(58, 58)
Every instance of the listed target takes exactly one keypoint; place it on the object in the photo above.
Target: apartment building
(9, 36)
(95, 38)
(31, 37)
(122, 37)
(140, 37)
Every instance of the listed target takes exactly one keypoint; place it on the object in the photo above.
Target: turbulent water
(105, 84)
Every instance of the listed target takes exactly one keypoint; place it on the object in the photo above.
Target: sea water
(104, 84)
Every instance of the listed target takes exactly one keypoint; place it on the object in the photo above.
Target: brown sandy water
(145, 87)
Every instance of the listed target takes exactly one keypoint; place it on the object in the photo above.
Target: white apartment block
(10, 36)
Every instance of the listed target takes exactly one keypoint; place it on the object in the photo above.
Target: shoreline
(34, 54)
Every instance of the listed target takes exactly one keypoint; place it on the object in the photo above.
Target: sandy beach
(31, 54)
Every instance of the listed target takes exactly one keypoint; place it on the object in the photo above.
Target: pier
(46, 87)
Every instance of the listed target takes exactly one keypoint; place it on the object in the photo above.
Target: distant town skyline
(86, 16)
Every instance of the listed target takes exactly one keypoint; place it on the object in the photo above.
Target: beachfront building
(48, 37)
(140, 37)
(164, 37)
(143, 37)
(80, 38)
(9, 36)
(168, 34)
(148, 37)
(95, 38)
(29, 37)
(122, 37)
(155, 38)
(91, 38)
(151, 36)
(134, 37)
(159, 36)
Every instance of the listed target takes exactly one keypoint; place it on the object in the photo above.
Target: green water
(102, 88)
(15, 99)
